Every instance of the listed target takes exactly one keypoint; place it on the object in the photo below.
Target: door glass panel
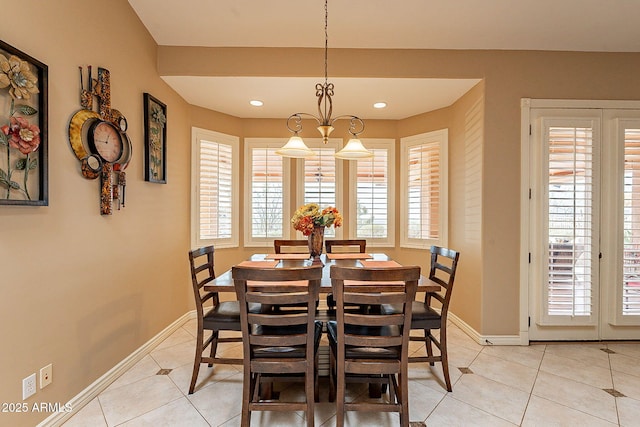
(631, 249)
(570, 217)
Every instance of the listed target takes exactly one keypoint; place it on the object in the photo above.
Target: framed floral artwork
(23, 129)
(155, 140)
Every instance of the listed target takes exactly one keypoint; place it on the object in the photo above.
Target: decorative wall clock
(99, 140)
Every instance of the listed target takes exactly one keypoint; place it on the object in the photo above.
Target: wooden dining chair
(212, 314)
(291, 246)
(426, 317)
(343, 246)
(371, 347)
(279, 345)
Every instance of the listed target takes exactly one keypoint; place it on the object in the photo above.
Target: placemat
(261, 264)
(367, 263)
(287, 256)
(348, 256)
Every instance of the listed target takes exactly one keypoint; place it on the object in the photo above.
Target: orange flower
(308, 216)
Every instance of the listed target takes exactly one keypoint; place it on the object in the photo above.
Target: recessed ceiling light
(256, 103)
(379, 105)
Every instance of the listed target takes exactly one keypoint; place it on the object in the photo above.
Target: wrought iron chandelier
(296, 147)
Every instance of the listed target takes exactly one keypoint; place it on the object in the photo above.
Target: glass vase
(316, 241)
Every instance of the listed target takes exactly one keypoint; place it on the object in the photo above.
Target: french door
(584, 224)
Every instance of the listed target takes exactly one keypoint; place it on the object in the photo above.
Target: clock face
(106, 141)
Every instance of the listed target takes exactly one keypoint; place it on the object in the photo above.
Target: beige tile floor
(559, 384)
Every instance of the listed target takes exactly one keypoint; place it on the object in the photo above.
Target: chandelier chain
(324, 93)
(326, 41)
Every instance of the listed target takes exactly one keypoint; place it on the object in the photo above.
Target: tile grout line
(613, 383)
(533, 386)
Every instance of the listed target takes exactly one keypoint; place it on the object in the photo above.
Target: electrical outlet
(46, 376)
(29, 386)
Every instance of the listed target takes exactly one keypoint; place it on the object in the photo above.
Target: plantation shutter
(215, 190)
(267, 202)
(631, 246)
(372, 193)
(320, 180)
(423, 187)
(570, 221)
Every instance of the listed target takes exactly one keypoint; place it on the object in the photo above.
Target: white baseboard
(99, 385)
(487, 339)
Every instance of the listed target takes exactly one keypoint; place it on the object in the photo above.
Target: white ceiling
(572, 25)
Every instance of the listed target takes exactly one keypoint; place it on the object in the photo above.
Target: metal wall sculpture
(99, 140)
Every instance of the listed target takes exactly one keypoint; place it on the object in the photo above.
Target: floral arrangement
(309, 216)
(18, 134)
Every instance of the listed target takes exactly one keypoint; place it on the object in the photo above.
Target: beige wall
(468, 285)
(508, 76)
(83, 291)
(80, 290)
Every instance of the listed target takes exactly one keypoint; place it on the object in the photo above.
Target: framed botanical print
(23, 129)
(155, 140)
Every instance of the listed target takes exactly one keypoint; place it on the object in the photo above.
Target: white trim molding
(487, 339)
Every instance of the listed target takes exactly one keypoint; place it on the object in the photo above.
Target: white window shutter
(215, 193)
(570, 220)
(266, 193)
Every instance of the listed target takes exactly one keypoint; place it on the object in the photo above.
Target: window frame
(271, 143)
(197, 136)
(440, 137)
(314, 144)
(375, 143)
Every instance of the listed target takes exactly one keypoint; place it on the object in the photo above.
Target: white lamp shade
(354, 150)
(296, 148)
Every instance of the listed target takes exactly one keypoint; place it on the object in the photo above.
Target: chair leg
(196, 362)
(332, 376)
(194, 375)
(427, 341)
(248, 384)
(309, 385)
(403, 397)
(214, 345)
(316, 384)
(340, 400)
(444, 359)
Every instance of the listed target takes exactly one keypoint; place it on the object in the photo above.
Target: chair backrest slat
(277, 298)
(369, 320)
(373, 341)
(371, 299)
(352, 245)
(290, 246)
(281, 319)
(277, 340)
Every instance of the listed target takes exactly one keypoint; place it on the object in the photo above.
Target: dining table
(224, 281)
